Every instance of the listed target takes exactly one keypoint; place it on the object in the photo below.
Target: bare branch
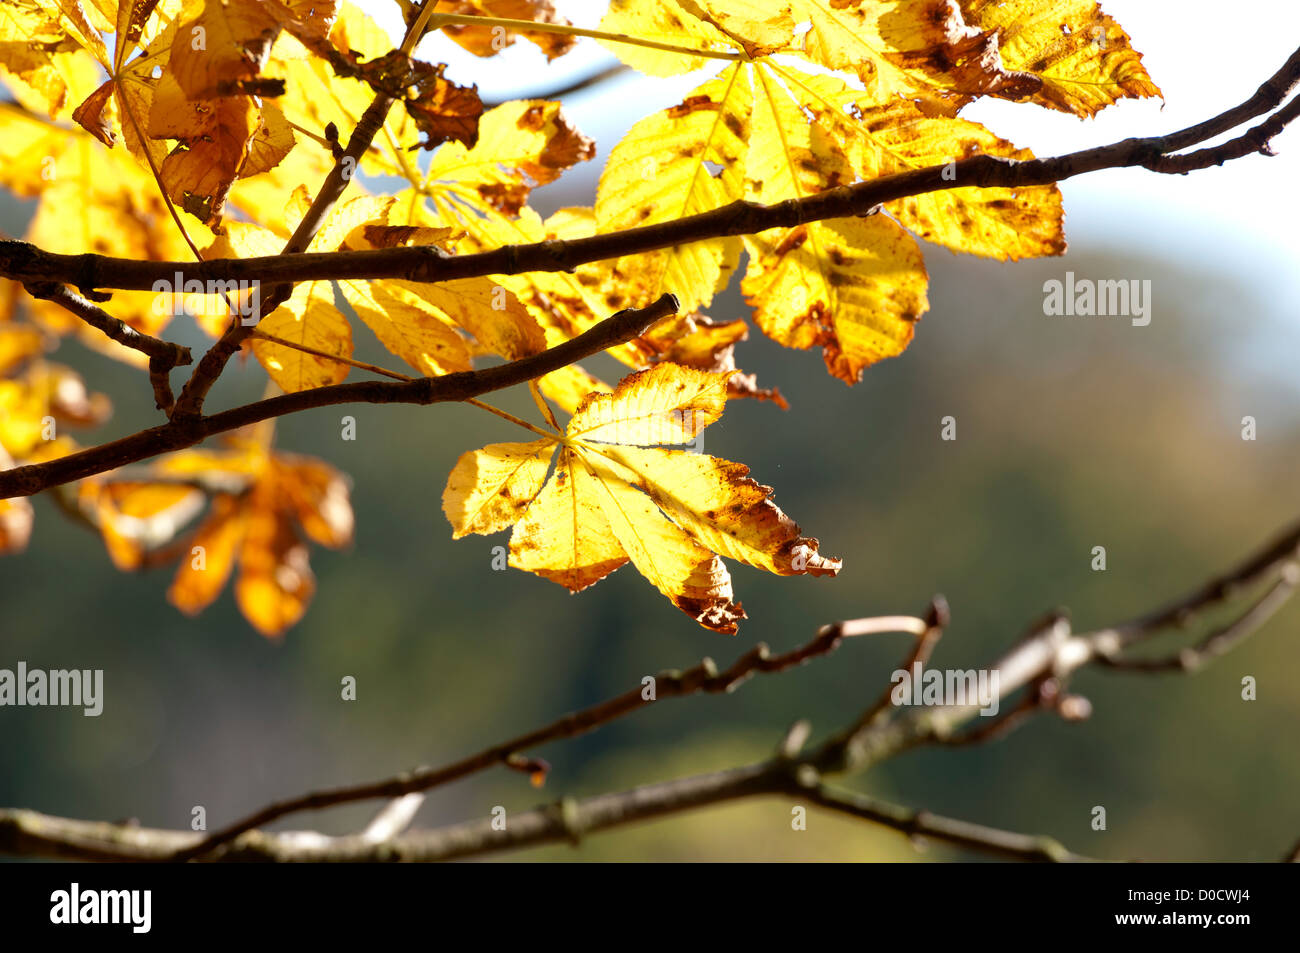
(28, 833)
(1043, 661)
(1221, 640)
(703, 678)
(1052, 652)
(923, 824)
(172, 354)
(393, 818)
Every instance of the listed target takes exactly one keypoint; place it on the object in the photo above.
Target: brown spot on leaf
(692, 104)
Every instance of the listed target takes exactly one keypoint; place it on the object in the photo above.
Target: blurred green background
(1072, 433)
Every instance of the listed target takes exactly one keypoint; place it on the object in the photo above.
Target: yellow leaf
(569, 386)
(135, 517)
(206, 101)
(862, 37)
(133, 24)
(726, 511)
(81, 22)
(853, 286)
(271, 142)
(224, 46)
(489, 489)
(488, 41)
(214, 137)
(308, 318)
(895, 137)
(1080, 59)
(487, 310)
(275, 580)
(409, 327)
(317, 496)
(521, 144)
(256, 524)
(616, 495)
(664, 21)
(18, 344)
(564, 535)
(197, 583)
(759, 27)
(44, 390)
(47, 71)
(694, 579)
(668, 406)
(684, 160)
(92, 116)
(565, 304)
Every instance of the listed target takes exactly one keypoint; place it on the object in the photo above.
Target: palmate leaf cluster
(161, 129)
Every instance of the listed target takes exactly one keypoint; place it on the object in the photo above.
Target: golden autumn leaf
(488, 41)
(213, 136)
(18, 344)
(119, 211)
(521, 144)
(309, 318)
(1078, 59)
(419, 321)
(681, 161)
(222, 50)
(898, 136)
(759, 27)
(45, 67)
(482, 190)
(618, 493)
(137, 516)
(852, 286)
(664, 22)
(208, 99)
(775, 129)
(37, 404)
(279, 499)
(441, 109)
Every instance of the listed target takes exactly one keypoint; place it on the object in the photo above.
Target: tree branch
(190, 403)
(704, 678)
(172, 354)
(179, 432)
(1049, 654)
(24, 262)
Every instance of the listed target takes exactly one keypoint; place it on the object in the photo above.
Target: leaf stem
(439, 20)
(510, 417)
(362, 365)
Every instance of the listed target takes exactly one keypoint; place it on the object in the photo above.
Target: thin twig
(703, 678)
(174, 355)
(258, 333)
(924, 824)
